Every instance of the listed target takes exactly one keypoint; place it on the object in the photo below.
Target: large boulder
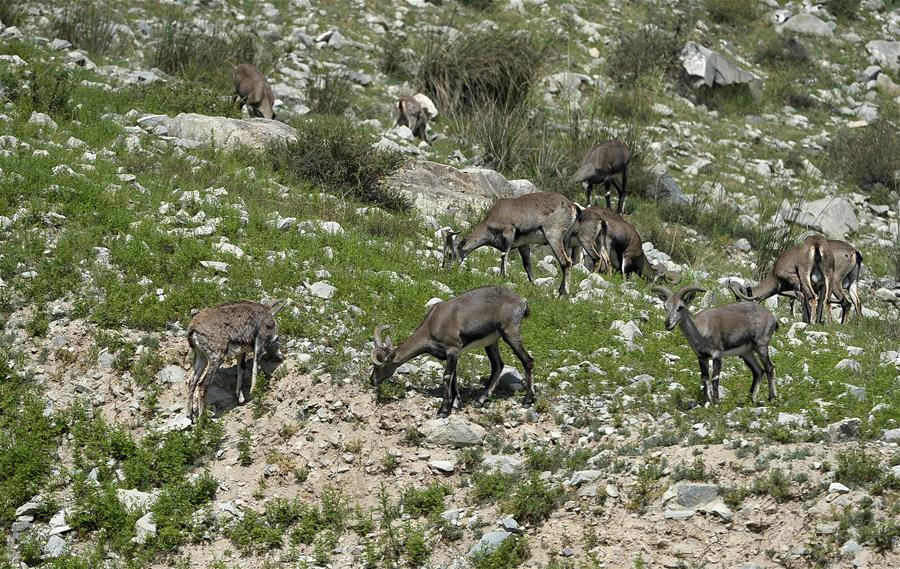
(230, 134)
(807, 24)
(453, 432)
(835, 217)
(885, 53)
(665, 188)
(713, 69)
(437, 188)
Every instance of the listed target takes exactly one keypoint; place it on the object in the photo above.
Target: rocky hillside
(133, 193)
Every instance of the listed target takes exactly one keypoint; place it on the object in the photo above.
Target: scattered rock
(845, 429)
(489, 542)
(838, 488)
(713, 69)
(454, 432)
(230, 134)
(144, 528)
(55, 547)
(442, 466)
(885, 53)
(322, 289)
(135, 500)
(692, 494)
(805, 23)
(437, 189)
(504, 464)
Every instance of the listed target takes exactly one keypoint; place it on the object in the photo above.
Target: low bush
(336, 154)
(511, 553)
(870, 156)
(28, 438)
(174, 510)
(482, 5)
(782, 50)
(44, 88)
(843, 9)
(425, 501)
(89, 28)
(329, 91)
(653, 47)
(203, 52)
(776, 484)
(534, 501)
(12, 12)
(490, 487)
(732, 12)
(480, 67)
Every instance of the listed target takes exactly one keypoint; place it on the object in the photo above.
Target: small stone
(442, 466)
(838, 488)
(585, 476)
(850, 547)
(135, 500)
(144, 528)
(322, 289)
(678, 514)
(849, 365)
(502, 463)
(454, 432)
(690, 494)
(55, 547)
(510, 525)
(845, 429)
(489, 542)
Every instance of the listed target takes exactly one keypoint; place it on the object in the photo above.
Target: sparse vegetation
(89, 28)
(336, 154)
(870, 156)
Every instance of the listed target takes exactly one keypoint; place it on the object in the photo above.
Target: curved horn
(376, 356)
(388, 343)
(738, 293)
(661, 291)
(378, 330)
(689, 289)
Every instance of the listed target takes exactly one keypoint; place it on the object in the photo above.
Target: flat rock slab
(489, 542)
(885, 53)
(692, 494)
(505, 464)
(436, 189)
(453, 432)
(714, 69)
(230, 134)
(835, 217)
(808, 24)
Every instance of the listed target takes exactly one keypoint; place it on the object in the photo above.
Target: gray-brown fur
(477, 318)
(539, 218)
(845, 284)
(804, 271)
(600, 164)
(253, 91)
(742, 329)
(613, 243)
(408, 112)
(233, 329)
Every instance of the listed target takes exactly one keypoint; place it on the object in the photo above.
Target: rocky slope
(127, 204)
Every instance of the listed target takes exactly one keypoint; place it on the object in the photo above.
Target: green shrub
(415, 549)
(12, 12)
(534, 501)
(100, 509)
(843, 9)
(425, 501)
(329, 91)
(654, 47)
(253, 534)
(647, 488)
(732, 12)
(696, 472)
(28, 439)
(782, 50)
(44, 88)
(192, 52)
(480, 67)
(869, 155)
(89, 28)
(185, 97)
(483, 5)
(858, 469)
(334, 153)
(776, 484)
(173, 511)
(511, 553)
(395, 58)
(490, 487)
(243, 447)
(39, 323)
